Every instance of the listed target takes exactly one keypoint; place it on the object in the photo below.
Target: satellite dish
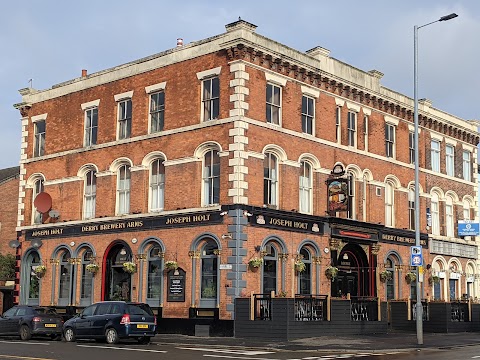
(37, 243)
(14, 244)
(54, 214)
(43, 202)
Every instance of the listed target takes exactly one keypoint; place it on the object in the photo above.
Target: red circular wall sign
(43, 202)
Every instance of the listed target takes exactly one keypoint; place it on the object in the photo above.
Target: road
(52, 350)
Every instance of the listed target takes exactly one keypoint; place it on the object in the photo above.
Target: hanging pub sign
(337, 191)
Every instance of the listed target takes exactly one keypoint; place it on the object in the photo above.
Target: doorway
(117, 282)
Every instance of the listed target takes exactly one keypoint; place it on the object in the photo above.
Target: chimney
(179, 42)
(84, 73)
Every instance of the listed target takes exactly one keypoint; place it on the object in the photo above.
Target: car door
(8, 324)
(83, 321)
(100, 318)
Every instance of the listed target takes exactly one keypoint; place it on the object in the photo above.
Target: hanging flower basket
(434, 279)
(171, 265)
(255, 263)
(130, 267)
(40, 270)
(92, 268)
(300, 266)
(410, 277)
(385, 275)
(331, 272)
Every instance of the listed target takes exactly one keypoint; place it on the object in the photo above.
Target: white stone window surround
(391, 120)
(411, 128)
(39, 117)
(281, 82)
(151, 90)
(203, 75)
(155, 87)
(468, 147)
(436, 137)
(90, 104)
(450, 141)
(309, 91)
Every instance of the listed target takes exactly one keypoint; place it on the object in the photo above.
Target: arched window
(37, 189)
(154, 276)
(123, 190)
(305, 277)
(270, 269)
(365, 197)
(157, 185)
(89, 194)
(352, 198)
(65, 276)
(453, 281)
(211, 177)
(449, 219)
(270, 180)
(86, 286)
(438, 286)
(411, 209)
(391, 282)
(470, 274)
(209, 280)
(389, 204)
(305, 184)
(435, 214)
(31, 288)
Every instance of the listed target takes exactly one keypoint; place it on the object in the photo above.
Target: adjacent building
(166, 179)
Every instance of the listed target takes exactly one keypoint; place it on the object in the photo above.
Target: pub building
(236, 165)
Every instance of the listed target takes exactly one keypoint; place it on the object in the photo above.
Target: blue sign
(416, 258)
(468, 228)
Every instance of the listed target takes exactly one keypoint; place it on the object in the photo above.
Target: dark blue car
(112, 321)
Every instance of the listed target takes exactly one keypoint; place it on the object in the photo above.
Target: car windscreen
(45, 311)
(139, 309)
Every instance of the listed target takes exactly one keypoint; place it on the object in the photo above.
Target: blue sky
(51, 41)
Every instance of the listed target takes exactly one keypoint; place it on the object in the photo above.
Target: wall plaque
(176, 285)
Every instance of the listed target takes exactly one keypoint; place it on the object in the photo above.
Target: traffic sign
(416, 258)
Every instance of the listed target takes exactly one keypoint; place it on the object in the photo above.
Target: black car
(112, 321)
(27, 321)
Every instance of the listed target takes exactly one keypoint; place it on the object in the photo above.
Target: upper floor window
(411, 147)
(157, 185)
(450, 221)
(305, 184)
(338, 124)
(365, 131)
(449, 160)
(390, 140)
(157, 111)
(40, 130)
(211, 98)
(389, 204)
(273, 104)
(435, 155)
(89, 195)
(352, 129)
(308, 111)
(124, 119)
(411, 209)
(211, 177)
(37, 189)
(123, 190)
(466, 166)
(434, 204)
(91, 126)
(270, 180)
(352, 199)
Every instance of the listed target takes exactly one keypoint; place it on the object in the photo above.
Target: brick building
(232, 149)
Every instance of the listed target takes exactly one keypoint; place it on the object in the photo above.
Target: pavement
(392, 341)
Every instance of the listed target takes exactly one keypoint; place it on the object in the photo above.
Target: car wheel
(144, 340)
(69, 335)
(111, 336)
(25, 333)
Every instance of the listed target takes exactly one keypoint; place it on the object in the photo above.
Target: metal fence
(364, 308)
(262, 306)
(459, 311)
(310, 307)
(425, 311)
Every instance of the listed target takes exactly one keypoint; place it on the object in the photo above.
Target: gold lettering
(41, 233)
(300, 225)
(89, 228)
(178, 220)
(281, 222)
(56, 231)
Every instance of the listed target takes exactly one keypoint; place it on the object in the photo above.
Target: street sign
(468, 228)
(225, 266)
(416, 258)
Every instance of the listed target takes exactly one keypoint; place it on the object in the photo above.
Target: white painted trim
(90, 104)
(184, 160)
(411, 128)
(39, 117)
(155, 87)
(390, 120)
(123, 96)
(307, 90)
(208, 73)
(276, 79)
(468, 147)
(437, 137)
(450, 141)
(339, 102)
(354, 107)
(367, 111)
(62, 181)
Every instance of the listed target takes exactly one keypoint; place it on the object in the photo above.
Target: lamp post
(419, 308)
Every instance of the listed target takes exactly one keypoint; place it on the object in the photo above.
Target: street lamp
(418, 306)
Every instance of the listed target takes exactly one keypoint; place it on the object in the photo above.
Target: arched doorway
(117, 282)
(353, 272)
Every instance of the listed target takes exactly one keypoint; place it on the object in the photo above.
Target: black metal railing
(364, 308)
(459, 311)
(310, 307)
(262, 306)
(425, 311)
